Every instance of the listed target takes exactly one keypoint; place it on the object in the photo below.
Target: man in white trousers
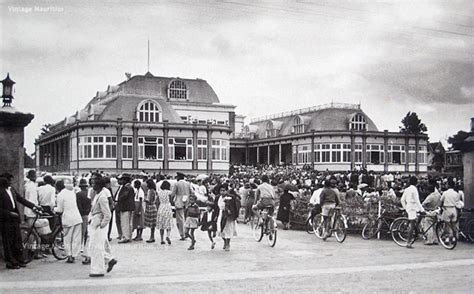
(99, 218)
(71, 220)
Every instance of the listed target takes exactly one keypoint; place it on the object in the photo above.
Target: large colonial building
(172, 124)
(144, 123)
(335, 137)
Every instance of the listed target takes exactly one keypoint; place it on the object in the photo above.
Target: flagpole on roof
(148, 55)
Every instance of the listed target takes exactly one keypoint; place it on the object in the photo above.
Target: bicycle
(400, 226)
(32, 241)
(380, 224)
(338, 225)
(313, 211)
(466, 231)
(260, 226)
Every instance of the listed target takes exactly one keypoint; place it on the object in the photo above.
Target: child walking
(209, 223)
(192, 220)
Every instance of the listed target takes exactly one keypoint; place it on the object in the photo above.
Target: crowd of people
(133, 203)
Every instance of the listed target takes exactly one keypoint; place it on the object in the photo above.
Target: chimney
(472, 124)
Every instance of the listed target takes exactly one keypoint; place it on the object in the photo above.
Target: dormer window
(298, 126)
(358, 123)
(177, 90)
(270, 131)
(149, 111)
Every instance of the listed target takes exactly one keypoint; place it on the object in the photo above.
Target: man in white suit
(99, 218)
(71, 220)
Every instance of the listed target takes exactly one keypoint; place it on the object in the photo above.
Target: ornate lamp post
(12, 124)
(7, 95)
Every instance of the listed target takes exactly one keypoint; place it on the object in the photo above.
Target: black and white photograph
(237, 146)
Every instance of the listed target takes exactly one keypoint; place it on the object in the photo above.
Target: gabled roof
(433, 146)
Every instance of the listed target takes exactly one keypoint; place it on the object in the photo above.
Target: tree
(457, 141)
(437, 162)
(411, 124)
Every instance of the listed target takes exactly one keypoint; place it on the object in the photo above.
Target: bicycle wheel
(30, 244)
(272, 238)
(371, 228)
(317, 226)
(469, 230)
(309, 226)
(448, 240)
(399, 231)
(57, 246)
(340, 229)
(257, 229)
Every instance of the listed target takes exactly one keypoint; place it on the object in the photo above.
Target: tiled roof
(125, 107)
(326, 119)
(199, 91)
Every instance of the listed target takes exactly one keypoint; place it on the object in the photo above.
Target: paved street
(298, 263)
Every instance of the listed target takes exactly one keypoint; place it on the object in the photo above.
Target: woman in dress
(285, 207)
(165, 214)
(151, 211)
(192, 220)
(138, 214)
(229, 205)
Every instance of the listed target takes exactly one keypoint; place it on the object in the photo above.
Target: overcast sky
(262, 56)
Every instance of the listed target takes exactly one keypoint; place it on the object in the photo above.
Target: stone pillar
(195, 152)
(77, 150)
(12, 124)
(417, 165)
(268, 154)
(352, 150)
(364, 150)
(407, 152)
(135, 145)
(119, 165)
(468, 170)
(296, 155)
(166, 149)
(385, 150)
(279, 153)
(209, 150)
(312, 150)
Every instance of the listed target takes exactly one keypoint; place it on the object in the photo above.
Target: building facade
(162, 124)
(334, 137)
(147, 123)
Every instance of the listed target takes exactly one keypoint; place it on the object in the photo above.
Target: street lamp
(7, 95)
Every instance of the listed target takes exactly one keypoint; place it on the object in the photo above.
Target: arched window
(149, 111)
(177, 90)
(358, 123)
(298, 126)
(270, 131)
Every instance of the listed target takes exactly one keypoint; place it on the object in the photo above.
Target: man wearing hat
(180, 194)
(84, 206)
(126, 206)
(10, 222)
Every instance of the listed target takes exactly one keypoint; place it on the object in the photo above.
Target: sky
(265, 57)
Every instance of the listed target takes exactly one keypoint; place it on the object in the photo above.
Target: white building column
(268, 154)
(279, 153)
